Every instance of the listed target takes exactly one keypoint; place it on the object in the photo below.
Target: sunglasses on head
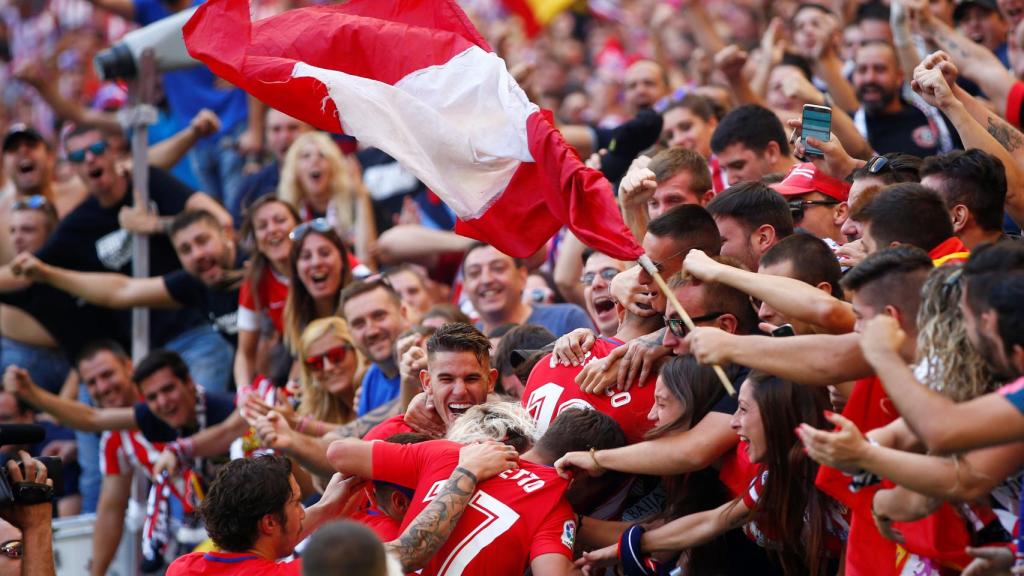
(13, 549)
(97, 148)
(336, 355)
(606, 273)
(877, 164)
(320, 225)
(679, 329)
(34, 202)
(798, 207)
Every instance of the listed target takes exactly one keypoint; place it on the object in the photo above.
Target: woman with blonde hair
(321, 183)
(330, 368)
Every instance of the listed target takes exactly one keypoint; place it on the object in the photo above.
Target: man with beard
(645, 83)
(889, 122)
(376, 316)
(209, 279)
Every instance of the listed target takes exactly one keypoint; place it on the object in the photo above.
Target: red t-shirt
(549, 391)
(272, 290)
(511, 519)
(225, 563)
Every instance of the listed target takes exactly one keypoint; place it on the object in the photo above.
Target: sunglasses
(877, 164)
(606, 273)
(34, 202)
(679, 329)
(97, 148)
(13, 549)
(336, 355)
(798, 207)
(320, 225)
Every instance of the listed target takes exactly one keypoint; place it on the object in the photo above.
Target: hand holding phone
(817, 123)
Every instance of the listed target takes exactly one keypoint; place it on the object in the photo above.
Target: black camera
(28, 492)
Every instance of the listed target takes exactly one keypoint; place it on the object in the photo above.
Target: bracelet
(302, 423)
(593, 456)
(467, 473)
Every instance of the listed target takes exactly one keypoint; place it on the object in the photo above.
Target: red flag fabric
(415, 79)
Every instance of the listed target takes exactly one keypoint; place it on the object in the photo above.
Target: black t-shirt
(63, 316)
(736, 374)
(218, 408)
(90, 239)
(218, 306)
(907, 131)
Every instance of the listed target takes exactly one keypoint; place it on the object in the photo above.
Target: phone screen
(817, 123)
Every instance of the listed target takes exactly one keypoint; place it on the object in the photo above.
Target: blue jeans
(209, 357)
(90, 480)
(47, 366)
(217, 165)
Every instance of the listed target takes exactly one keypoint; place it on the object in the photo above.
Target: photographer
(30, 553)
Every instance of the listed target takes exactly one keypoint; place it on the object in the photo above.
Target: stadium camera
(163, 36)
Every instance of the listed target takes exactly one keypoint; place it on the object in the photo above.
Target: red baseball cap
(805, 178)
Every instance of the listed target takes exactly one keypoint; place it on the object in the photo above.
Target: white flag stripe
(459, 127)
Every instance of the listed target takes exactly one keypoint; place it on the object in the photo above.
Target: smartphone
(817, 123)
(784, 330)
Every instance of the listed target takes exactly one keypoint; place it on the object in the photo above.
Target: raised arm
(819, 359)
(70, 413)
(569, 268)
(107, 289)
(791, 297)
(166, 153)
(931, 81)
(679, 453)
(978, 63)
(941, 424)
(964, 478)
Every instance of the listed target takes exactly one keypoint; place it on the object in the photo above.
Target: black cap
(21, 130)
(963, 5)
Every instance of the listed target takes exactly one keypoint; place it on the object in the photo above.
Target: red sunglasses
(336, 355)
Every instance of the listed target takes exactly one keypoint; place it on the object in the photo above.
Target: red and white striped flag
(415, 79)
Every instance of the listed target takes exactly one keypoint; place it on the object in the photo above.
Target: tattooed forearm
(358, 428)
(431, 527)
(1007, 136)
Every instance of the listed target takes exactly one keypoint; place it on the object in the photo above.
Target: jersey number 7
(498, 518)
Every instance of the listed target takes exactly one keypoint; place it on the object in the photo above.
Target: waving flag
(415, 79)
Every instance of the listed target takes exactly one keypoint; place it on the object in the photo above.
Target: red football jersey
(510, 520)
(551, 390)
(231, 563)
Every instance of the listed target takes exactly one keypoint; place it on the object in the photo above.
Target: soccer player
(520, 519)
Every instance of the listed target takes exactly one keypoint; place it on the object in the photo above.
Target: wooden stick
(651, 269)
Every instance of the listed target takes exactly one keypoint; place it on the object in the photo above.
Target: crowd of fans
(340, 384)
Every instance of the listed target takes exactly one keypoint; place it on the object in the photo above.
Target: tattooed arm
(425, 535)
(978, 63)
(978, 127)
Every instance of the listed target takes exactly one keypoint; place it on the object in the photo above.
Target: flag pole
(651, 269)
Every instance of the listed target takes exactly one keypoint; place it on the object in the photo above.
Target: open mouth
(603, 305)
(96, 173)
(26, 166)
(458, 408)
